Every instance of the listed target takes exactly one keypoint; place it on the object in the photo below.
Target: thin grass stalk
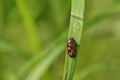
(75, 31)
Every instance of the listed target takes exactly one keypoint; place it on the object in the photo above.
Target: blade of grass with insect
(75, 30)
(30, 26)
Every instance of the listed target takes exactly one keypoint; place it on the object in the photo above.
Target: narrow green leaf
(75, 31)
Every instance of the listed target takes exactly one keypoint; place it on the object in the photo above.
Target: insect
(72, 47)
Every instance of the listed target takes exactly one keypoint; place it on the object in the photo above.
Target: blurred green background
(33, 36)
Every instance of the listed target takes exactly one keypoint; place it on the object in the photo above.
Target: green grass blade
(75, 31)
(30, 26)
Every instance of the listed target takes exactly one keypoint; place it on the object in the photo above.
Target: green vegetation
(75, 31)
(34, 33)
